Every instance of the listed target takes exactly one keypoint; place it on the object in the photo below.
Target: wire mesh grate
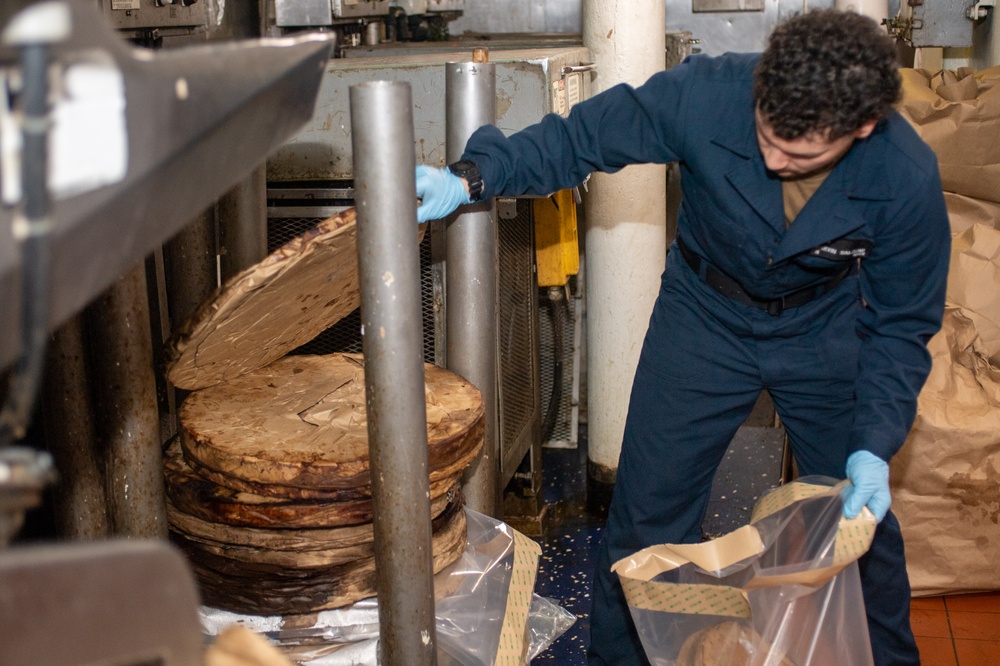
(556, 356)
(517, 326)
(345, 335)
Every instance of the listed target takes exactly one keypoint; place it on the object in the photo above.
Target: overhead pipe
(392, 341)
(625, 223)
(471, 270)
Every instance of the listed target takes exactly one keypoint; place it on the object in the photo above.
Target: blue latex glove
(440, 192)
(869, 476)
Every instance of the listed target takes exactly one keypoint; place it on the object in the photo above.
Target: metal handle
(587, 67)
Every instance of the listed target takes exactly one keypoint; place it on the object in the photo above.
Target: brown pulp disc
(301, 422)
(291, 539)
(258, 589)
(201, 498)
(298, 550)
(436, 476)
(269, 309)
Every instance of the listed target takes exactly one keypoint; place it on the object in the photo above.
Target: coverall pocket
(838, 344)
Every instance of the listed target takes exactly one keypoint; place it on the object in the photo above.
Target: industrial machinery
(98, 171)
(358, 22)
(310, 177)
(946, 23)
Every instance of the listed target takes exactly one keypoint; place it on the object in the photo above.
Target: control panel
(166, 17)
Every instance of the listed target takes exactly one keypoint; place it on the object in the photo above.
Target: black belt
(733, 290)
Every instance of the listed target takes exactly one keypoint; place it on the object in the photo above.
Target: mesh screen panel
(562, 434)
(517, 331)
(345, 335)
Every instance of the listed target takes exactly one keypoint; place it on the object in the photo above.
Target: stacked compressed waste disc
(268, 483)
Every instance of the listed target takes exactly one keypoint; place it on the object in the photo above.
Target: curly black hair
(826, 71)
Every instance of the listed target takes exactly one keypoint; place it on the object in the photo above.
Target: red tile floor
(960, 630)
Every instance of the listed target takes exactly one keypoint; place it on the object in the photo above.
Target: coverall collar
(837, 207)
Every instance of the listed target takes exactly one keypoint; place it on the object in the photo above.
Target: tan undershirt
(797, 192)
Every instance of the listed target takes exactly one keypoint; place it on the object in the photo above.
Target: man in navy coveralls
(811, 261)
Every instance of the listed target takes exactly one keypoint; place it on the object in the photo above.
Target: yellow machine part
(557, 249)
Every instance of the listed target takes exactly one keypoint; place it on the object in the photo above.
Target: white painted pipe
(625, 229)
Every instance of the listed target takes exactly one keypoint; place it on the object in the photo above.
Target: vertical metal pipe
(389, 262)
(471, 277)
(243, 224)
(125, 396)
(189, 266)
(80, 502)
(625, 217)
(31, 227)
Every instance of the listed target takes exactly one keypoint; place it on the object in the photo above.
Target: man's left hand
(869, 476)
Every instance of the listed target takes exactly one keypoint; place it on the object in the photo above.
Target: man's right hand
(440, 193)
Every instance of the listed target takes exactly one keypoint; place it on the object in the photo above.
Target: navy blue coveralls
(843, 370)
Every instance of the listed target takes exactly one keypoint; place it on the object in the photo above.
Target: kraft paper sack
(957, 114)
(783, 590)
(946, 478)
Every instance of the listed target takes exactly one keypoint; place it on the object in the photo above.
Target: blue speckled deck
(570, 533)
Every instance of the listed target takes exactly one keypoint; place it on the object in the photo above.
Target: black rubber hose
(557, 313)
(26, 377)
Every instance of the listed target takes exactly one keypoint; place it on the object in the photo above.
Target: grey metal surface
(446, 5)
(316, 13)
(519, 16)
(727, 6)
(738, 31)
(242, 213)
(465, 43)
(938, 23)
(199, 120)
(144, 14)
(126, 407)
(381, 121)
(113, 602)
(471, 277)
(528, 87)
(296, 13)
(357, 8)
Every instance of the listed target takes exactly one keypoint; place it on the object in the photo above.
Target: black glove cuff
(470, 172)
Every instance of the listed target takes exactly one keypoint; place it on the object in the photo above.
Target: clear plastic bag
(781, 591)
(485, 605)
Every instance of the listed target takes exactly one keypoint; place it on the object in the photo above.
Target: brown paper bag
(957, 114)
(946, 479)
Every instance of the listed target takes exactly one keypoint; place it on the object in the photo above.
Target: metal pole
(81, 510)
(471, 277)
(125, 395)
(189, 267)
(243, 224)
(625, 218)
(389, 262)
